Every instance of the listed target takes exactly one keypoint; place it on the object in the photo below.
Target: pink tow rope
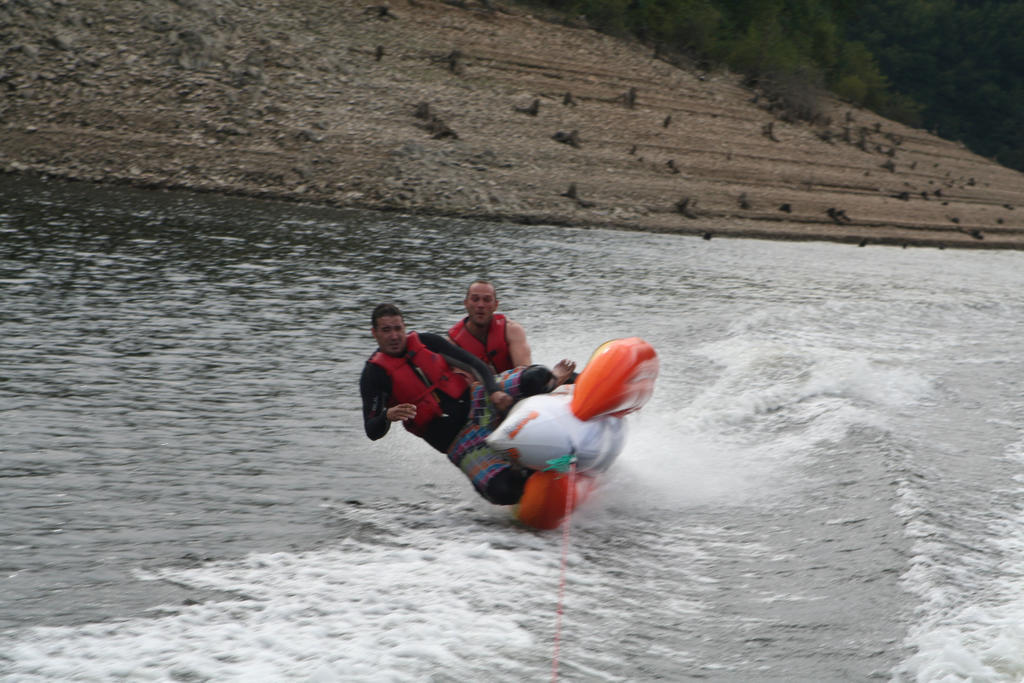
(569, 501)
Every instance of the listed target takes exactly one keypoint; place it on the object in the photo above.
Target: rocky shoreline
(472, 110)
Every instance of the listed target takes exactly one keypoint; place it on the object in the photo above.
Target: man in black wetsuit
(411, 379)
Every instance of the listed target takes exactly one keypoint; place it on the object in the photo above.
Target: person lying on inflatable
(575, 433)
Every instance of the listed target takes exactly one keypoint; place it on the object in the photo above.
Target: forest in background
(954, 68)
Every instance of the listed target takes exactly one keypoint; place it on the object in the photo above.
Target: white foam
(769, 408)
(762, 376)
(970, 622)
(395, 610)
(664, 466)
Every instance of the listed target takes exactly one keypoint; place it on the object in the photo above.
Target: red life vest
(495, 353)
(416, 376)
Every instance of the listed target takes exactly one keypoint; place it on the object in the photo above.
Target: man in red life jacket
(493, 338)
(411, 379)
(490, 336)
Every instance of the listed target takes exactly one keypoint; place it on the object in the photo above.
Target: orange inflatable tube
(546, 499)
(618, 379)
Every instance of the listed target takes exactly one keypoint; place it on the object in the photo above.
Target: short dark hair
(384, 310)
(483, 282)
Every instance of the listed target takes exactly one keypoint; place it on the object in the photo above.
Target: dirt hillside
(466, 110)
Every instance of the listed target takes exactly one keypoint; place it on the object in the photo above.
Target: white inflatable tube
(541, 429)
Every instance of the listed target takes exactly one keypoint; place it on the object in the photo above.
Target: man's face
(390, 334)
(481, 303)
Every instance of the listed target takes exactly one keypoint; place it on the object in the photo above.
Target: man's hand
(562, 370)
(501, 400)
(401, 412)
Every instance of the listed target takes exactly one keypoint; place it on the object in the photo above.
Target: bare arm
(518, 348)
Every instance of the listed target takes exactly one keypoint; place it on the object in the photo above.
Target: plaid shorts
(469, 451)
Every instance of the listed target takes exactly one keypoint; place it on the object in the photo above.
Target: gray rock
(61, 41)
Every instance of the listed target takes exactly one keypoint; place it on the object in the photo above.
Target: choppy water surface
(825, 486)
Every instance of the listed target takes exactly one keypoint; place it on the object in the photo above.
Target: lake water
(826, 486)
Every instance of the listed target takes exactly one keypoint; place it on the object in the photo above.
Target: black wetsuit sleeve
(375, 388)
(460, 358)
